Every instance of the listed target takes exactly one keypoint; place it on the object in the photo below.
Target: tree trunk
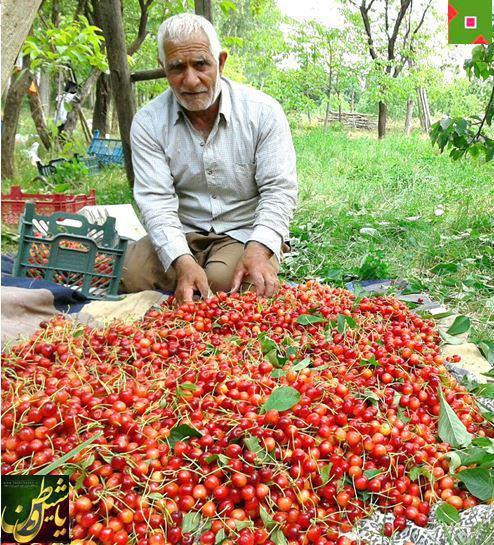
(425, 115)
(113, 118)
(203, 7)
(100, 112)
(328, 98)
(13, 102)
(17, 18)
(110, 15)
(39, 117)
(45, 92)
(382, 120)
(73, 115)
(409, 117)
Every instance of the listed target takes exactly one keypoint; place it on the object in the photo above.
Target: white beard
(199, 105)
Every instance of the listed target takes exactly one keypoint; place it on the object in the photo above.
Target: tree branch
(489, 105)
(405, 4)
(146, 75)
(142, 31)
(364, 10)
(386, 17)
(421, 20)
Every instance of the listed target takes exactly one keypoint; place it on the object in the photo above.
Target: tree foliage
(73, 43)
(471, 135)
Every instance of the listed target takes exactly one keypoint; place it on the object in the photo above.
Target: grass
(373, 209)
(396, 209)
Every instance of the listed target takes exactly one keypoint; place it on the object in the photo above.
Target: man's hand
(256, 265)
(190, 277)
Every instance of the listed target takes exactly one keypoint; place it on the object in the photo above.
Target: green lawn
(370, 209)
(397, 209)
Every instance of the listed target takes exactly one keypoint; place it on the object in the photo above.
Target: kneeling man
(215, 176)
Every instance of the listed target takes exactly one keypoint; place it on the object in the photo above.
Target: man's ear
(222, 60)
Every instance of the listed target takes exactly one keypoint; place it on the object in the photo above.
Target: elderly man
(215, 175)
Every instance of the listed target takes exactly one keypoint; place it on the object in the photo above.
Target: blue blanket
(64, 299)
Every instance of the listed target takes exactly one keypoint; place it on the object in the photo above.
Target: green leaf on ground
(487, 349)
(449, 339)
(459, 326)
(447, 514)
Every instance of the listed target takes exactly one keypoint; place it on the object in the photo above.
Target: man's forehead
(195, 45)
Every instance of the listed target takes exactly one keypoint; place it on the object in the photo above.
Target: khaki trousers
(218, 255)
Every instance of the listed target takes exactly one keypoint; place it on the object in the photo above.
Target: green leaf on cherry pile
(459, 326)
(324, 473)
(447, 514)
(269, 522)
(267, 343)
(371, 473)
(191, 522)
(278, 537)
(220, 537)
(308, 319)
(182, 432)
(370, 362)
(185, 387)
(301, 364)
(479, 482)
(278, 373)
(282, 399)
(418, 471)
(451, 429)
(68, 455)
(253, 444)
(343, 322)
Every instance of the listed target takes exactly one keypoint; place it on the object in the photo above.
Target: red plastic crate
(13, 203)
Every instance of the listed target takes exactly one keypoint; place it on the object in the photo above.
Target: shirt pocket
(245, 186)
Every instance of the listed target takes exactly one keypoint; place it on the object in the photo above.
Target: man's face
(192, 72)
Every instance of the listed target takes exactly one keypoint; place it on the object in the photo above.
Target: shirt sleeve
(276, 179)
(155, 195)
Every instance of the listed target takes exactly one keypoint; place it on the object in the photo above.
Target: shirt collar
(225, 104)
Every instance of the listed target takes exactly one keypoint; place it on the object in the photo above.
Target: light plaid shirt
(241, 181)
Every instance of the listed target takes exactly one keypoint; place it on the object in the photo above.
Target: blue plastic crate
(108, 151)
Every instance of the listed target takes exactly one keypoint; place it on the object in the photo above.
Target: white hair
(185, 26)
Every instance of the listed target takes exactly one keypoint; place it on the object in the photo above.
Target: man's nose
(190, 80)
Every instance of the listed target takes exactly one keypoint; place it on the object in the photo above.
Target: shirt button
(202, 144)
(213, 196)
(210, 172)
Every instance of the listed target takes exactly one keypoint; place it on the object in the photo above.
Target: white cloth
(241, 181)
